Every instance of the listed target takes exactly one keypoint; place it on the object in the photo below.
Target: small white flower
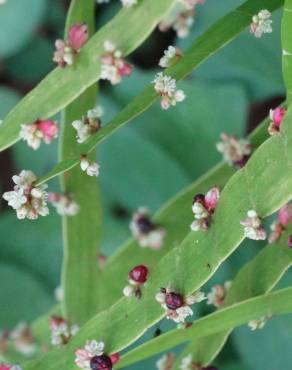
(218, 293)
(64, 204)
(94, 348)
(61, 331)
(145, 231)
(258, 324)
(181, 314)
(59, 294)
(235, 151)
(165, 86)
(28, 200)
(88, 125)
(129, 3)
(261, 23)
(129, 291)
(187, 363)
(253, 226)
(38, 131)
(169, 56)
(91, 168)
(165, 362)
(22, 339)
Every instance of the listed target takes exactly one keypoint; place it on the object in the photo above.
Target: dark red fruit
(145, 225)
(139, 274)
(102, 362)
(173, 301)
(200, 198)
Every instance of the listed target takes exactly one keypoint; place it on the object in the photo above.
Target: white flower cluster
(91, 349)
(89, 124)
(218, 293)
(113, 65)
(91, 168)
(258, 324)
(61, 331)
(170, 56)
(145, 231)
(261, 23)
(165, 362)
(22, 339)
(28, 200)
(38, 131)
(235, 151)
(165, 86)
(64, 204)
(253, 226)
(176, 306)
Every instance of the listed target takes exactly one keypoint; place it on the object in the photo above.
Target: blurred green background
(143, 164)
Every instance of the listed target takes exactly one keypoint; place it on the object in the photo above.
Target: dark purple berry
(145, 225)
(139, 274)
(290, 241)
(173, 301)
(102, 362)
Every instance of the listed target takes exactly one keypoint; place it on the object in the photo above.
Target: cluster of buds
(166, 362)
(92, 357)
(66, 51)
(10, 367)
(165, 86)
(136, 277)
(253, 226)
(88, 125)
(261, 23)
(177, 306)
(181, 18)
(236, 152)
(129, 3)
(61, 331)
(90, 167)
(113, 65)
(22, 339)
(188, 364)
(276, 115)
(284, 218)
(171, 55)
(38, 131)
(259, 323)
(218, 294)
(28, 200)
(203, 209)
(64, 204)
(145, 231)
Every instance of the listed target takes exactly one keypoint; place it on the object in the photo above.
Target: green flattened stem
(82, 232)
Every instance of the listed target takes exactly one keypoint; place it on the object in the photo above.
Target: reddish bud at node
(139, 274)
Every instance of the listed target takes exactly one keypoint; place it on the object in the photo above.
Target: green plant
(255, 184)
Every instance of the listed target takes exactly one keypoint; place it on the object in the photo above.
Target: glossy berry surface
(102, 362)
(139, 274)
(173, 301)
(145, 225)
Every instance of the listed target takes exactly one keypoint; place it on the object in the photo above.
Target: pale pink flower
(218, 294)
(165, 86)
(253, 226)
(277, 115)
(38, 131)
(236, 152)
(261, 23)
(64, 204)
(66, 51)
(284, 218)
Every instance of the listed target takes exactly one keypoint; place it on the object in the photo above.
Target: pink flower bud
(4, 367)
(285, 214)
(78, 36)
(211, 199)
(49, 130)
(277, 115)
(165, 103)
(126, 69)
(115, 357)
